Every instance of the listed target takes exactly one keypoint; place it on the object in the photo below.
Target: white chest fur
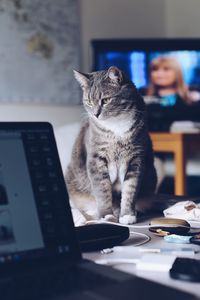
(117, 172)
(117, 125)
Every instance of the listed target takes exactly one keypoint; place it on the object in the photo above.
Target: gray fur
(112, 159)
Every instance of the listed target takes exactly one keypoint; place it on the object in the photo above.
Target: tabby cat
(112, 160)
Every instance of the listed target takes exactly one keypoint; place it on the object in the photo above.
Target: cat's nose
(97, 112)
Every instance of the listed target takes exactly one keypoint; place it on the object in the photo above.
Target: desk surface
(157, 276)
(168, 141)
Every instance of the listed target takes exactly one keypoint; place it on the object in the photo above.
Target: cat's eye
(89, 102)
(106, 101)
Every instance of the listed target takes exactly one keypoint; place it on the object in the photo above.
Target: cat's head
(108, 93)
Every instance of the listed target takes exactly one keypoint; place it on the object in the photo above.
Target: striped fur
(112, 160)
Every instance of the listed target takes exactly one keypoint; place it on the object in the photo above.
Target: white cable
(147, 238)
(116, 261)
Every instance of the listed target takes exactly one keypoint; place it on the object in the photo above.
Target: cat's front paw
(110, 218)
(127, 219)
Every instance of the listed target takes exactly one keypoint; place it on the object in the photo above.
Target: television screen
(165, 71)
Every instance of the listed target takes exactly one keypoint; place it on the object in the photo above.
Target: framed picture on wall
(38, 51)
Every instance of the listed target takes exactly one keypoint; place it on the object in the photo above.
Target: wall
(182, 18)
(39, 48)
(119, 19)
(56, 115)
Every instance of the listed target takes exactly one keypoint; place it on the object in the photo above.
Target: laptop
(39, 253)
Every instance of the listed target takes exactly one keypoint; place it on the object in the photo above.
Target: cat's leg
(127, 212)
(87, 205)
(130, 184)
(116, 199)
(78, 217)
(101, 187)
(83, 207)
(80, 201)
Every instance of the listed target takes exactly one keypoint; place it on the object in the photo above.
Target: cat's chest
(117, 126)
(118, 158)
(120, 150)
(117, 171)
(119, 155)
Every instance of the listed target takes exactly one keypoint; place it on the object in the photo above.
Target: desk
(156, 276)
(180, 144)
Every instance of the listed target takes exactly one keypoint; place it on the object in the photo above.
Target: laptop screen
(35, 217)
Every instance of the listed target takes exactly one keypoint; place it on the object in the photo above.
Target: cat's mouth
(99, 118)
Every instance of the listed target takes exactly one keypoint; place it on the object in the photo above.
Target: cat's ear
(82, 78)
(115, 74)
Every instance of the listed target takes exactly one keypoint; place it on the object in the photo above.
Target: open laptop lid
(35, 216)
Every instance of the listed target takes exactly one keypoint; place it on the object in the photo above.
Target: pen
(170, 251)
(166, 250)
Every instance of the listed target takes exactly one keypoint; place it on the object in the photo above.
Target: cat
(112, 161)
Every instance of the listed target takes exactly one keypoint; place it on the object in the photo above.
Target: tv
(148, 63)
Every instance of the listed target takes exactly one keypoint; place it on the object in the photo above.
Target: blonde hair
(171, 62)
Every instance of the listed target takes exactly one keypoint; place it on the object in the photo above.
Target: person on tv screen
(167, 86)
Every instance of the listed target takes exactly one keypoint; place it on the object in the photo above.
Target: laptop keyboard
(45, 284)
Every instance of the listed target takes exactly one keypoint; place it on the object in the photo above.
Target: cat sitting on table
(112, 161)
